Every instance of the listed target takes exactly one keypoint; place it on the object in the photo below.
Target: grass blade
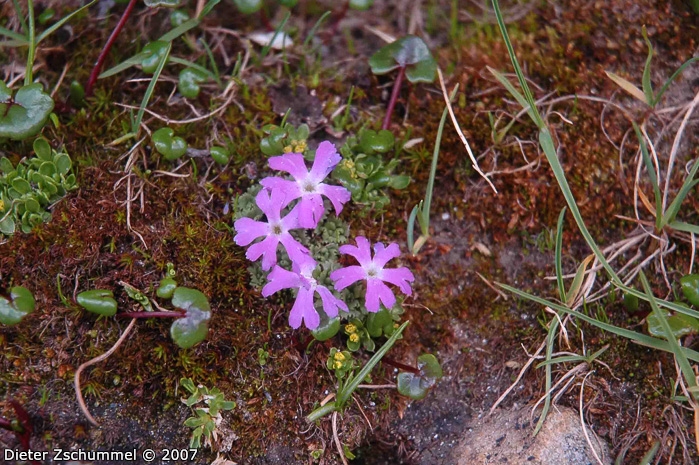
(559, 261)
(687, 186)
(550, 340)
(149, 91)
(513, 91)
(315, 27)
(17, 38)
(686, 227)
(280, 28)
(645, 80)
(681, 358)
(653, 177)
(672, 78)
(627, 87)
(62, 21)
(411, 228)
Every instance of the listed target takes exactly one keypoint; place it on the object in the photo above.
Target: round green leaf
(190, 299)
(326, 329)
(376, 322)
(416, 385)
(47, 168)
(167, 288)
(7, 225)
(193, 328)
(680, 324)
(399, 181)
(408, 52)
(690, 288)
(154, 51)
(76, 94)
(31, 205)
(248, 6)
(220, 155)
(63, 163)
(170, 147)
(21, 304)
(100, 301)
(189, 80)
(21, 185)
(372, 141)
(6, 165)
(42, 149)
(24, 115)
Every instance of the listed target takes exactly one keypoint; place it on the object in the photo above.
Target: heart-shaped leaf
(153, 53)
(690, 288)
(409, 52)
(168, 146)
(361, 4)
(23, 115)
(194, 326)
(20, 304)
(326, 329)
(372, 141)
(416, 385)
(99, 301)
(680, 324)
(189, 80)
(248, 6)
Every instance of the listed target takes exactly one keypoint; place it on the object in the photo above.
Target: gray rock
(506, 437)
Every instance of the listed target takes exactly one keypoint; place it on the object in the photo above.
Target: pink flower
(275, 231)
(373, 271)
(304, 309)
(307, 185)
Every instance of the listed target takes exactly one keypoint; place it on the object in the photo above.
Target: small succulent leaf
(189, 80)
(192, 422)
(6, 165)
(32, 205)
(7, 225)
(168, 146)
(164, 3)
(21, 185)
(47, 168)
(24, 115)
(100, 301)
(326, 329)
(248, 6)
(166, 288)
(42, 149)
(76, 94)
(22, 303)
(191, 329)
(680, 324)
(399, 182)
(379, 179)
(690, 288)
(372, 141)
(630, 302)
(153, 53)
(188, 384)
(361, 4)
(220, 155)
(63, 163)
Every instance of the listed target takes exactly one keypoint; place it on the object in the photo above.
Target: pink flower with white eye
(373, 271)
(274, 231)
(308, 185)
(304, 310)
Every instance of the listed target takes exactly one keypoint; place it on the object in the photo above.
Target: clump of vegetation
(207, 405)
(30, 188)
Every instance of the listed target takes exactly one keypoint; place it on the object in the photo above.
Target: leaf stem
(394, 98)
(107, 47)
(151, 315)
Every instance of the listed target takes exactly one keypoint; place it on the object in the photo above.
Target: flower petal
(362, 251)
(266, 248)
(338, 195)
(325, 161)
(290, 189)
(311, 210)
(347, 276)
(330, 302)
(279, 279)
(292, 163)
(383, 255)
(304, 310)
(401, 277)
(248, 230)
(376, 290)
(297, 252)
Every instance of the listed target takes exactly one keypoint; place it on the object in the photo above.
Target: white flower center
(372, 271)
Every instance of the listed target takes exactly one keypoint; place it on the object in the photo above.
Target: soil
(481, 335)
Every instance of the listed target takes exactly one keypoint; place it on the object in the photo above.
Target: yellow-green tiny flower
(354, 337)
(337, 365)
(350, 328)
(339, 356)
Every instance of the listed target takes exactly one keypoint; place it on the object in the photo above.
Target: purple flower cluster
(308, 187)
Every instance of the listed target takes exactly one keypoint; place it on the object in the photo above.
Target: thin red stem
(394, 98)
(400, 366)
(265, 20)
(152, 315)
(107, 47)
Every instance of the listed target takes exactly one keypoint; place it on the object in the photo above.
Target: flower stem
(152, 315)
(28, 74)
(394, 98)
(107, 47)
